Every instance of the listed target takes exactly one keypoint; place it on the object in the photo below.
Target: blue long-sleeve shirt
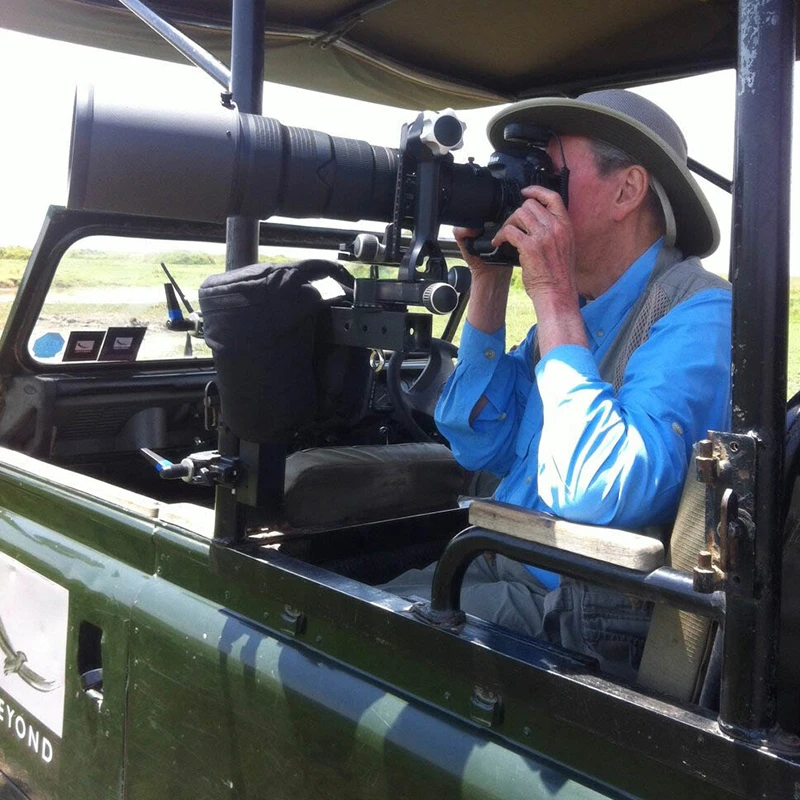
(561, 438)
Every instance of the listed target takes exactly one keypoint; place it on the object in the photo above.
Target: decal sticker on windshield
(33, 651)
(122, 344)
(83, 345)
(48, 345)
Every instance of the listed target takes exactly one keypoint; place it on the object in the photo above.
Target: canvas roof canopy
(425, 53)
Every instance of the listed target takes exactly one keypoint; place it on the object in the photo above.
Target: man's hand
(475, 263)
(541, 231)
(489, 291)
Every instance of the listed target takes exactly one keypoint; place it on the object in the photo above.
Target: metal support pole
(181, 42)
(247, 89)
(712, 177)
(760, 266)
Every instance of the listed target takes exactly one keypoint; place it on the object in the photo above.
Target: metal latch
(709, 574)
(727, 467)
(211, 406)
(293, 621)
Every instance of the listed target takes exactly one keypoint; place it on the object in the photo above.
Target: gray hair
(609, 159)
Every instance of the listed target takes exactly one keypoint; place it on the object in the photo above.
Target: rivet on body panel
(293, 621)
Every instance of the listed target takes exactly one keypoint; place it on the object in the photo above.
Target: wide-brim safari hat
(645, 132)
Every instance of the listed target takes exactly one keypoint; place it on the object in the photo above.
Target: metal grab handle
(664, 585)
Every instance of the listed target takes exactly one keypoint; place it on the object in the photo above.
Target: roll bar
(760, 270)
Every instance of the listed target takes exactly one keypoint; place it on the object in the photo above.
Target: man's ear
(631, 191)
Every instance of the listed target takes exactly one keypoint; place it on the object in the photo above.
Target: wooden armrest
(622, 548)
(77, 483)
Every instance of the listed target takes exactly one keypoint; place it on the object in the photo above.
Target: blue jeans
(607, 625)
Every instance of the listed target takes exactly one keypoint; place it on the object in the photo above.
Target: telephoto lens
(206, 166)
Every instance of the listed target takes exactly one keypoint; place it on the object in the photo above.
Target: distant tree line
(16, 252)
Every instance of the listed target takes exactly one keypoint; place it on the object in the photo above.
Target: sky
(38, 79)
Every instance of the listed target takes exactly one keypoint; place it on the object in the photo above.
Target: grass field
(95, 290)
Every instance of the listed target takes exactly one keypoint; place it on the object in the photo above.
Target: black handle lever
(165, 468)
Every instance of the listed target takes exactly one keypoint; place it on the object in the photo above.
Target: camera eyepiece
(527, 135)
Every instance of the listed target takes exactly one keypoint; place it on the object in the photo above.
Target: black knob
(367, 248)
(440, 298)
(460, 278)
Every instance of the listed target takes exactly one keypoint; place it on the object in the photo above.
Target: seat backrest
(679, 643)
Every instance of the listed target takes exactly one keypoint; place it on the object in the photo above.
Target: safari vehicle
(224, 635)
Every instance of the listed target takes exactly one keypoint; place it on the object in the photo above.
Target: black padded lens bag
(260, 323)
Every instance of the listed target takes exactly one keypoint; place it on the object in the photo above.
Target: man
(593, 417)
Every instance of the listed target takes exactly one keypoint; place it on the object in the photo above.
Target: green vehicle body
(203, 697)
(229, 674)
(262, 668)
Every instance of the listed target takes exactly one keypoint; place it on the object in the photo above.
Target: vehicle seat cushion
(334, 486)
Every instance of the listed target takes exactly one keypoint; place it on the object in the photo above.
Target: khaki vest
(672, 281)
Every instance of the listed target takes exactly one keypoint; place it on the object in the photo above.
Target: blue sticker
(48, 345)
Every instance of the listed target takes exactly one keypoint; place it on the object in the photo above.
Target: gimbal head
(425, 146)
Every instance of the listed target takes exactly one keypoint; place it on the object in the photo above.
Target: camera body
(524, 163)
(432, 189)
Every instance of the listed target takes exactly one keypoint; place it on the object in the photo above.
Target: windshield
(108, 301)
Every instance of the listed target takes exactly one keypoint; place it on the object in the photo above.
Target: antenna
(177, 288)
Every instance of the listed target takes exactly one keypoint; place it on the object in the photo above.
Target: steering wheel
(421, 397)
